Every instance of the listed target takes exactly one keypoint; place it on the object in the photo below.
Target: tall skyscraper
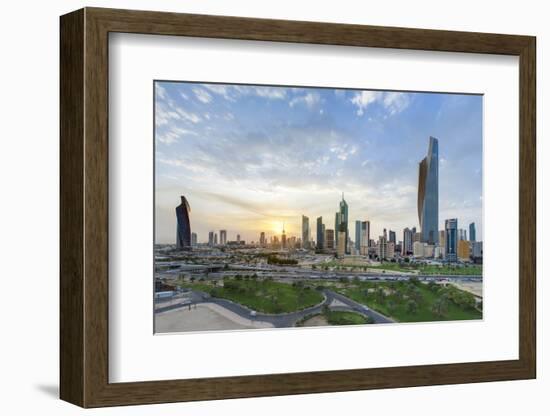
(341, 247)
(194, 239)
(262, 239)
(442, 242)
(329, 239)
(428, 193)
(320, 234)
(383, 246)
(358, 235)
(305, 232)
(472, 232)
(336, 228)
(183, 231)
(365, 238)
(451, 239)
(223, 237)
(238, 238)
(283, 237)
(211, 238)
(391, 237)
(407, 242)
(215, 238)
(341, 223)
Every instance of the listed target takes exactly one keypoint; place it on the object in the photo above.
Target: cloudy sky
(250, 158)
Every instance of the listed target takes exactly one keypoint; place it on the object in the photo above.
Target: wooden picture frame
(84, 207)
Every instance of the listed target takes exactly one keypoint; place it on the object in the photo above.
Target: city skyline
(302, 148)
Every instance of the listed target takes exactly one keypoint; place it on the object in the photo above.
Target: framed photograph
(255, 207)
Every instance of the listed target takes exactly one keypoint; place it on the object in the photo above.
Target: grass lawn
(472, 270)
(263, 295)
(476, 270)
(397, 296)
(345, 318)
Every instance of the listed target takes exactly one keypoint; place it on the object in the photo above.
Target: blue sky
(249, 158)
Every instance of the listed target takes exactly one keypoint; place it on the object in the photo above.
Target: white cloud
(222, 90)
(310, 100)
(393, 102)
(192, 117)
(396, 102)
(270, 92)
(173, 135)
(161, 91)
(202, 95)
(363, 99)
(342, 152)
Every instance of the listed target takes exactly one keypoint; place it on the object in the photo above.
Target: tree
(441, 306)
(412, 307)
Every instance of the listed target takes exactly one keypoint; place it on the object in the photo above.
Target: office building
(305, 232)
(428, 193)
(341, 223)
(477, 250)
(329, 239)
(262, 239)
(194, 239)
(407, 242)
(365, 238)
(183, 230)
(358, 235)
(391, 237)
(383, 246)
(390, 254)
(451, 239)
(320, 234)
(418, 249)
(211, 238)
(463, 250)
(223, 237)
(341, 249)
(472, 232)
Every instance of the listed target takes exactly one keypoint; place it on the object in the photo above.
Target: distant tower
(283, 237)
(305, 232)
(341, 224)
(428, 194)
(451, 239)
(358, 236)
(223, 237)
(183, 230)
(472, 232)
(320, 234)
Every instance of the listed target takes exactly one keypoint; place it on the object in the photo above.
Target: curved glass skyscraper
(428, 194)
(183, 232)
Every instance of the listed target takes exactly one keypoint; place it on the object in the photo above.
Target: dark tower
(183, 232)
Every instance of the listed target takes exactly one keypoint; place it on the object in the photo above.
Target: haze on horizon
(250, 158)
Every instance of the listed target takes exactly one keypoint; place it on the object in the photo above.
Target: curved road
(285, 320)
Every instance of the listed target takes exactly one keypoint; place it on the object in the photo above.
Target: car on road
(253, 313)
